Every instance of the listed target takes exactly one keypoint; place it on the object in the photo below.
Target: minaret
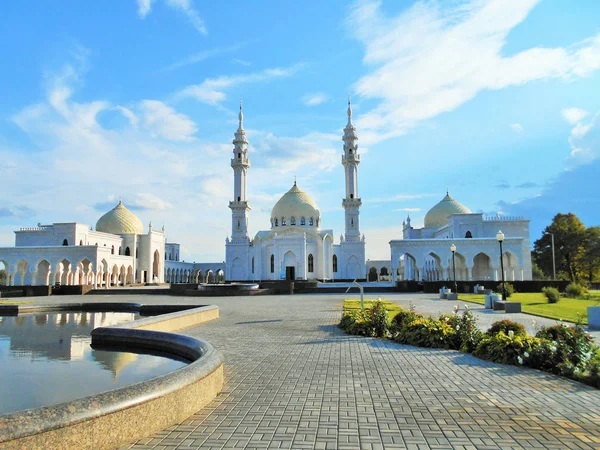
(240, 164)
(350, 161)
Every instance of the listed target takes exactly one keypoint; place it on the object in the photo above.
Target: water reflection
(47, 359)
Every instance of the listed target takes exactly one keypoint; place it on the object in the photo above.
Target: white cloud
(203, 56)
(585, 142)
(186, 7)
(517, 127)
(574, 115)
(401, 198)
(211, 90)
(162, 120)
(434, 57)
(408, 209)
(144, 7)
(183, 6)
(315, 99)
(146, 200)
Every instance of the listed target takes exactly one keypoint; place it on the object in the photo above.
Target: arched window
(238, 224)
(272, 263)
(239, 198)
(351, 196)
(96, 244)
(112, 250)
(468, 235)
(276, 223)
(80, 242)
(239, 156)
(311, 222)
(65, 242)
(293, 221)
(351, 223)
(302, 221)
(384, 271)
(253, 264)
(311, 263)
(128, 252)
(119, 250)
(283, 222)
(350, 151)
(335, 263)
(317, 222)
(137, 252)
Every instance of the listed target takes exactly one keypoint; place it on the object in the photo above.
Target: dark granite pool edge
(131, 412)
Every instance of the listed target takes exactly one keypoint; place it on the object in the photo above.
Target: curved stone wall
(114, 418)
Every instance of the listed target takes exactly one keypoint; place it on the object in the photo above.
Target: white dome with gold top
(120, 220)
(294, 206)
(438, 215)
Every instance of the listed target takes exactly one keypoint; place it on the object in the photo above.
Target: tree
(2, 277)
(537, 273)
(569, 241)
(590, 258)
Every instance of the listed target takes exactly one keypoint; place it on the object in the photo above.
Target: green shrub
(592, 377)
(422, 332)
(467, 335)
(371, 321)
(403, 316)
(571, 348)
(513, 349)
(575, 290)
(551, 294)
(505, 326)
(509, 289)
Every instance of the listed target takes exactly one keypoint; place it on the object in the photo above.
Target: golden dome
(438, 215)
(296, 204)
(120, 220)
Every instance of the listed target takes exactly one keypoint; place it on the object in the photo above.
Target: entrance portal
(290, 273)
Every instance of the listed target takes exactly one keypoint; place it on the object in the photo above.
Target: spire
(241, 117)
(294, 180)
(349, 111)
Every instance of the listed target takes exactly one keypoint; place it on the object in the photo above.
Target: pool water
(47, 359)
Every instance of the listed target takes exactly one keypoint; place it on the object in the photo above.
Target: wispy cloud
(404, 54)
(574, 115)
(401, 198)
(584, 141)
(203, 56)
(212, 90)
(241, 62)
(502, 184)
(408, 209)
(144, 7)
(315, 99)
(183, 6)
(163, 121)
(517, 127)
(527, 185)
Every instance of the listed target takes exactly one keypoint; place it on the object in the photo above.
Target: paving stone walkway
(293, 380)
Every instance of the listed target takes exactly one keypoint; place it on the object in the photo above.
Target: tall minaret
(350, 161)
(240, 164)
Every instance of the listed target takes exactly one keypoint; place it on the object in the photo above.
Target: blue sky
(497, 100)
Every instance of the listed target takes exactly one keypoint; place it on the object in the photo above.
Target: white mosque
(296, 247)
(426, 253)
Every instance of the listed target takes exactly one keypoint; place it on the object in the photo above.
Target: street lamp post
(500, 238)
(453, 250)
(553, 257)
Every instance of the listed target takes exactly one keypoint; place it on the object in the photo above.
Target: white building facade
(118, 252)
(424, 254)
(296, 247)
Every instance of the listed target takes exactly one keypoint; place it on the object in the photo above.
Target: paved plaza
(294, 380)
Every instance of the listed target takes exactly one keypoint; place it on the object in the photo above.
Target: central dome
(294, 206)
(120, 220)
(438, 215)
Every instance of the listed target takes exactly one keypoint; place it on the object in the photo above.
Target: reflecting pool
(47, 359)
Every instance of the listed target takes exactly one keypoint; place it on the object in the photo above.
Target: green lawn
(392, 308)
(566, 309)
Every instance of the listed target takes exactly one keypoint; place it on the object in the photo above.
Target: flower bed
(560, 349)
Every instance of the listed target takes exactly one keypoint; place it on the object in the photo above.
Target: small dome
(120, 220)
(438, 215)
(296, 204)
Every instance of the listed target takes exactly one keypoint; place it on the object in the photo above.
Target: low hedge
(562, 350)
